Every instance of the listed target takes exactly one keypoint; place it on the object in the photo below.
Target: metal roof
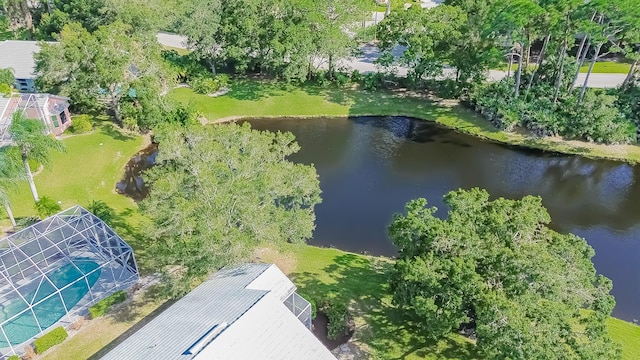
(220, 303)
(18, 55)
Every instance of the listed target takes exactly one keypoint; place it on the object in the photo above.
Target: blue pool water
(24, 326)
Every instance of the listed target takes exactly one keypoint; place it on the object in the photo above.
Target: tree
(201, 26)
(97, 70)
(428, 36)
(515, 19)
(219, 191)
(6, 81)
(31, 140)
(331, 23)
(89, 13)
(11, 173)
(495, 266)
(19, 13)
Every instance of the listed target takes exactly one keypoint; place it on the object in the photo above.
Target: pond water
(369, 167)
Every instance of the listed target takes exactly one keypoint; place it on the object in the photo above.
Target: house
(246, 312)
(18, 56)
(52, 110)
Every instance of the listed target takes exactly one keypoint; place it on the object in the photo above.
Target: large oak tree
(496, 267)
(219, 191)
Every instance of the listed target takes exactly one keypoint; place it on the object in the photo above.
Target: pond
(369, 167)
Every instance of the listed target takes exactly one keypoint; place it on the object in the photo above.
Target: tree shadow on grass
(363, 283)
(251, 90)
(114, 132)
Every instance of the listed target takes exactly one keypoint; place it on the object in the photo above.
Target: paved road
(364, 63)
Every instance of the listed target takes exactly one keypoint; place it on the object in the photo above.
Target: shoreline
(626, 153)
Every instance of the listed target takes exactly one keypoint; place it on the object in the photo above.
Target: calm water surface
(370, 167)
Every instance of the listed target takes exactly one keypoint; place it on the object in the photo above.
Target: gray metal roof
(18, 55)
(222, 298)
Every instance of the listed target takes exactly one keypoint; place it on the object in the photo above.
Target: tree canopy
(219, 191)
(101, 69)
(495, 266)
(29, 136)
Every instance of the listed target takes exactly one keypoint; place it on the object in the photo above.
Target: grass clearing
(607, 67)
(98, 336)
(180, 51)
(252, 98)
(626, 334)
(601, 67)
(382, 331)
(88, 170)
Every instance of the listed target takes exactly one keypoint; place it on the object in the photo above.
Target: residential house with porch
(52, 110)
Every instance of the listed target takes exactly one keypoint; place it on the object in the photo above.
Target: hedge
(102, 306)
(50, 339)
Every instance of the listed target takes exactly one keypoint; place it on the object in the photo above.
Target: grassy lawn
(250, 98)
(178, 50)
(601, 67)
(381, 330)
(626, 334)
(88, 170)
(98, 336)
(607, 67)
(361, 281)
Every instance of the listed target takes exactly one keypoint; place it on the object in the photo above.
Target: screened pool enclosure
(54, 270)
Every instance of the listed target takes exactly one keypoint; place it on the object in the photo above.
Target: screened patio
(54, 270)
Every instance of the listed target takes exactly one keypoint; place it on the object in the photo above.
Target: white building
(18, 56)
(247, 312)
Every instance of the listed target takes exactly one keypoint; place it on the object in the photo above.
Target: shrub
(204, 85)
(356, 77)
(81, 124)
(14, 357)
(208, 85)
(337, 318)
(222, 80)
(50, 339)
(5, 90)
(46, 207)
(372, 81)
(102, 306)
(342, 78)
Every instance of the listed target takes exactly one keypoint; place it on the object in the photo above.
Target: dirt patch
(286, 262)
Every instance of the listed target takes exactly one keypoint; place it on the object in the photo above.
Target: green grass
(178, 50)
(626, 334)
(382, 330)
(251, 98)
(88, 170)
(601, 67)
(361, 281)
(607, 67)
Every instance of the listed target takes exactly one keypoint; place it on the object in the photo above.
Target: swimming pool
(23, 325)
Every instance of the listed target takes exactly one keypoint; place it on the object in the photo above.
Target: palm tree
(34, 144)
(10, 174)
